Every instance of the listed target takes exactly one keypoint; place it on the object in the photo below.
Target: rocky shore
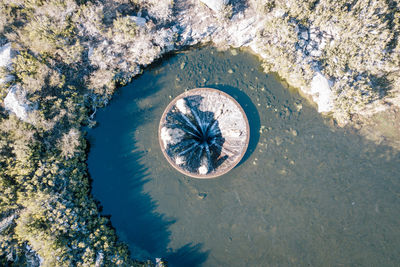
(269, 32)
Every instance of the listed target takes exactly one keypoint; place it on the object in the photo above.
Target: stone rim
(212, 174)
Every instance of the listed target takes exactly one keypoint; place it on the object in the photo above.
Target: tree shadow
(251, 112)
(202, 141)
(187, 256)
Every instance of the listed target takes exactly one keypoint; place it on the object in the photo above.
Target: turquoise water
(306, 193)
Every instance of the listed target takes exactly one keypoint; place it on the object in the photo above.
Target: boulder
(321, 93)
(216, 5)
(165, 39)
(5, 55)
(7, 78)
(16, 102)
(304, 35)
(139, 21)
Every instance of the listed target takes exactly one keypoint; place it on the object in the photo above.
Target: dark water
(306, 193)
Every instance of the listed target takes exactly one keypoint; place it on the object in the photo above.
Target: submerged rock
(204, 133)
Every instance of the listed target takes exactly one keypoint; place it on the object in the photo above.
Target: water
(305, 193)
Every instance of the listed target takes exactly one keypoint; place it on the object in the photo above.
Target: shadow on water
(251, 113)
(119, 178)
(187, 255)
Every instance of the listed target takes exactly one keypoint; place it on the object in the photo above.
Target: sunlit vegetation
(354, 43)
(47, 214)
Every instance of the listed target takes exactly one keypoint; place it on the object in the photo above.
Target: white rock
(5, 55)
(304, 35)
(165, 39)
(302, 43)
(16, 102)
(6, 79)
(278, 13)
(316, 53)
(181, 106)
(179, 161)
(161, 10)
(203, 169)
(216, 5)
(4, 223)
(321, 93)
(171, 136)
(99, 259)
(322, 44)
(139, 21)
(90, 52)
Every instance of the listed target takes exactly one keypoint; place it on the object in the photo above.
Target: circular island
(204, 133)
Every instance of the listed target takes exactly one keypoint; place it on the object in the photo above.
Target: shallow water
(306, 193)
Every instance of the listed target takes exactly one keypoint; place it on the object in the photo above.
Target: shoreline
(58, 68)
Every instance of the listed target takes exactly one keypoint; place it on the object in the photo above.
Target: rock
(5, 222)
(216, 5)
(302, 43)
(278, 13)
(165, 39)
(316, 53)
(16, 102)
(242, 32)
(202, 195)
(5, 55)
(321, 93)
(171, 136)
(181, 106)
(139, 21)
(99, 259)
(322, 44)
(304, 35)
(6, 79)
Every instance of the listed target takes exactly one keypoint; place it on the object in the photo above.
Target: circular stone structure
(204, 133)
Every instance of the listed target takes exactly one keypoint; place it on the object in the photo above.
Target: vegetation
(47, 214)
(354, 43)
